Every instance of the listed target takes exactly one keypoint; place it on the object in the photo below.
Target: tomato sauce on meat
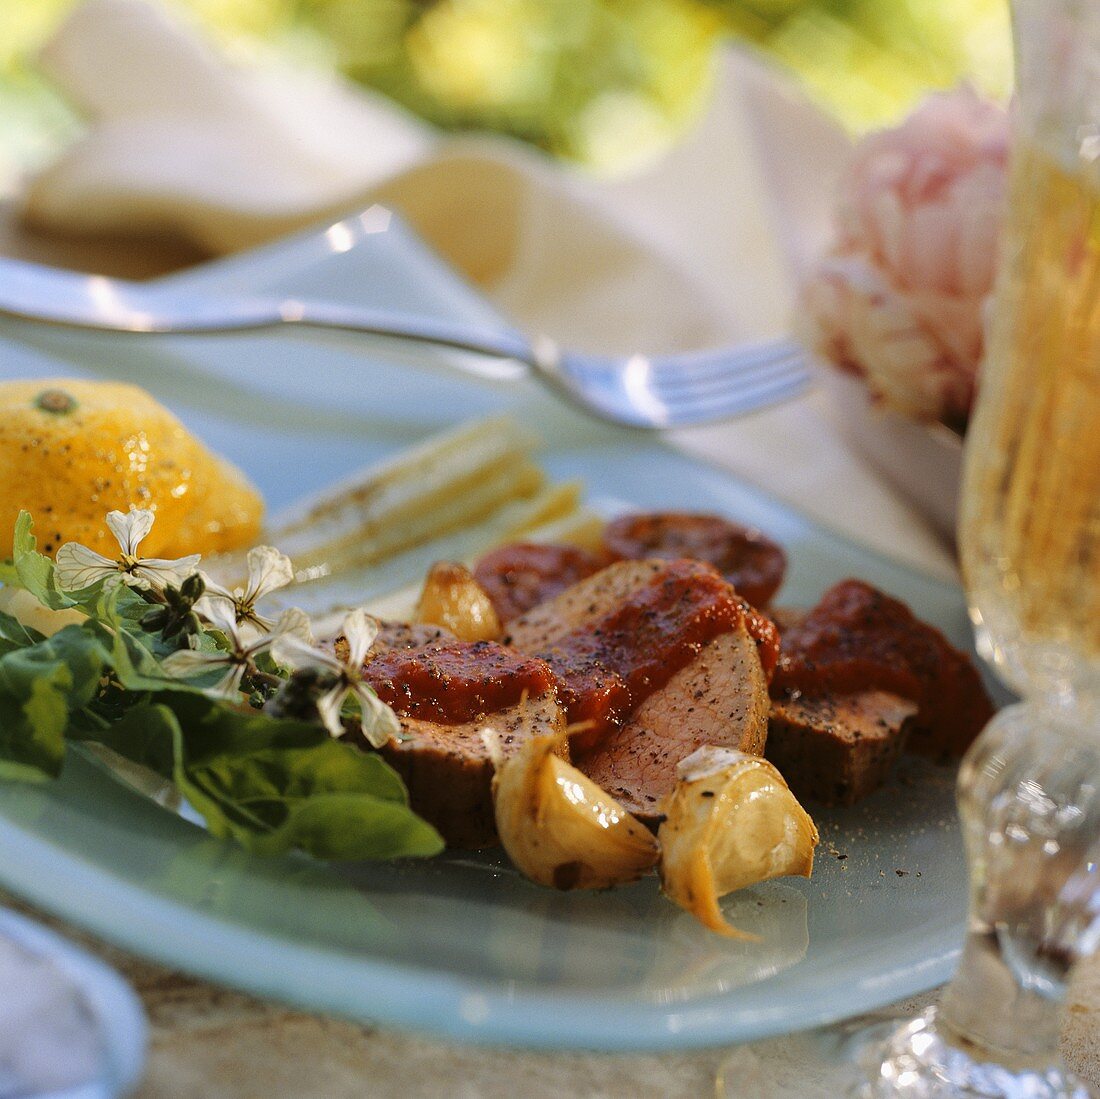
(857, 638)
(455, 682)
(607, 667)
(752, 563)
(518, 577)
(766, 635)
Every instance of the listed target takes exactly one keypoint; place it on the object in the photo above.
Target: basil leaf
(73, 658)
(352, 827)
(274, 784)
(14, 631)
(41, 685)
(32, 730)
(14, 635)
(35, 572)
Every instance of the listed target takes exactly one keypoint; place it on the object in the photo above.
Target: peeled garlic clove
(452, 598)
(560, 829)
(730, 822)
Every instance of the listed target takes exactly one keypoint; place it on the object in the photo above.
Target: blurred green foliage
(870, 60)
(601, 81)
(604, 80)
(594, 80)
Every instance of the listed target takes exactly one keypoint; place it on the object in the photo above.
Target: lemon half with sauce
(72, 450)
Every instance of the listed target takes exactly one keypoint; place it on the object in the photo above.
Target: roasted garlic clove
(560, 829)
(730, 822)
(452, 598)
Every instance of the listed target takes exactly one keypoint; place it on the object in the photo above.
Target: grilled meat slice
(858, 638)
(720, 698)
(521, 575)
(835, 749)
(448, 771)
(715, 691)
(751, 562)
(445, 692)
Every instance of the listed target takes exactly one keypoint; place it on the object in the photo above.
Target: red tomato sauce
(455, 682)
(857, 638)
(518, 577)
(607, 667)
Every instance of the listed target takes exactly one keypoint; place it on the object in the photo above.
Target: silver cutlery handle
(72, 300)
(502, 344)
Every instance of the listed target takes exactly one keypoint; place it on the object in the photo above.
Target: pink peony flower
(898, 300)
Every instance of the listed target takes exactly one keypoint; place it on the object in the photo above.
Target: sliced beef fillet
(719, 698)
(445, 693)
(521, 575)
(658, 658)
(402, 635)
(860, 639)
(750, 561)
(835, 749)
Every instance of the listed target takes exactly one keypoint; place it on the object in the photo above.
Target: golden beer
(1030, 525)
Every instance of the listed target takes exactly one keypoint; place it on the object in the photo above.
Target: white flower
(241, 654)
(79, 567)
(268, 571)
(376, 720)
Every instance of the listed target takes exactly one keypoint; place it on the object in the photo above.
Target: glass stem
(1029, 800)
(986, 1007)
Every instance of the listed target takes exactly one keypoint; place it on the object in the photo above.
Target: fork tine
(737, 399)
(720, 362)
(715, 386)
(669, 385)
(716, 411)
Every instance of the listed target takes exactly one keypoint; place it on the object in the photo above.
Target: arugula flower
(78, 567)
(177, 614)
(268, 571)
(239, 657)
(376, 720)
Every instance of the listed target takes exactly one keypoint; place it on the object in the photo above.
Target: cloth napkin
(703, 247)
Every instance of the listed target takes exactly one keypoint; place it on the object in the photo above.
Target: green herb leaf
(40, 687)
(272, 784)
(34, 570)
(136, 653)
(32, 730)
(75, 654)
(14, 635)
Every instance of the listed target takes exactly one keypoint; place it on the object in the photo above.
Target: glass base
(921, 1059)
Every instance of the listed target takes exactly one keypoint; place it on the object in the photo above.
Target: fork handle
(67, 300)
(502, 344)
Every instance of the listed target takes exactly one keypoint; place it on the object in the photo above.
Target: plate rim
(430, 1002)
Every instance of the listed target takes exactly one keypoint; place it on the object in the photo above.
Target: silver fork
(638, 390)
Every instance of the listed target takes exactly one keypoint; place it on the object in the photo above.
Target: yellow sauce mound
(71, 451)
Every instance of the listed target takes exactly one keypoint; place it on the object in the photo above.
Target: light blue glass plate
(462, 946)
